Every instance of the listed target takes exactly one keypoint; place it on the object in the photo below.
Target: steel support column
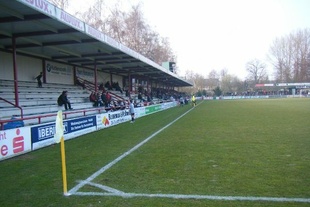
(95, 74)
(15, 71)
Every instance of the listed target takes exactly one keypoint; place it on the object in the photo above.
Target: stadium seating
(39, 101)
(36, 101)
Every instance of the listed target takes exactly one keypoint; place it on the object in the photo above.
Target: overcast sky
(216, 34)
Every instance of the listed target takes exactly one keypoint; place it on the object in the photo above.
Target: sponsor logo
(48, 131)
(18, 144)
(50, 67)
(105, 121)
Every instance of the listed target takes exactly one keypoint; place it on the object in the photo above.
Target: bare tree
(95, 15)
(301, 41)
(223, 73)
(256, 70)
(231, 85)
(130, 29)
(281, 58)
(115, 26)
(196, 79)
(213, 81)
(228, 84)
(289, 56)
(141, 38)
(200, 82)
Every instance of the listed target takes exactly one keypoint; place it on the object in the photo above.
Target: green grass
(255, 148)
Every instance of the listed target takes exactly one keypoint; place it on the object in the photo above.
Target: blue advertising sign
(43, 135)
(46, 131)
(81, 123)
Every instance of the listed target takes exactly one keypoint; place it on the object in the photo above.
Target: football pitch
(219, 153)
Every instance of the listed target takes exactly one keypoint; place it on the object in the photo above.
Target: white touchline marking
(103, 169)
(208, 197)
(115, 192)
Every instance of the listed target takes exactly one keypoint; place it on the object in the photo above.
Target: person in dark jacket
(38, 78)
(104, 99)
(63, 100)
(108, 85)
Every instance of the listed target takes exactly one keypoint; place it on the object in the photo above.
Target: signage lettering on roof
(69, 19)
(94, 33)
(41, 5)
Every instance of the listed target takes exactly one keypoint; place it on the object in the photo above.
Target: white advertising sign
(140, 111)
(14, 142)
(58, 73)
(112, 118)
(85, 74)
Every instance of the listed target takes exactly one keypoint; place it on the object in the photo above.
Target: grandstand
(41, 103)
(35, 39)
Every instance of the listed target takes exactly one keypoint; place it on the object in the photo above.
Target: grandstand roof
(43, 30)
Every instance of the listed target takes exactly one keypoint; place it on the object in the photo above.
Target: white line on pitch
(206, 197)
(103, 169)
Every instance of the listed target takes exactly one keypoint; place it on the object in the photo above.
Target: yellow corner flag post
(59, 137)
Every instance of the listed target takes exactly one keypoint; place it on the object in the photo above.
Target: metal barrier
(21, 110)
(39, 117)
